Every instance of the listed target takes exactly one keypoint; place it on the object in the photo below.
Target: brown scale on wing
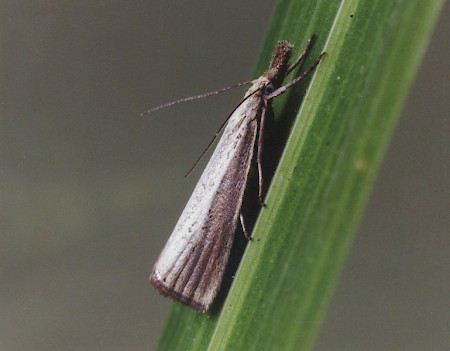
(205, 271)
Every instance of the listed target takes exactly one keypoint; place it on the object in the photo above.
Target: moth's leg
(302, 75)
(247, 236)
(305, 53)
(259, 153)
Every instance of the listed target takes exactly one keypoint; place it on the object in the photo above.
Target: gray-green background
(90, 191)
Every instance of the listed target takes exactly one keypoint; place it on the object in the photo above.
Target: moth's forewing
(191, 266)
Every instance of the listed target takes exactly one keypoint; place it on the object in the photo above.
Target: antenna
(190, 98)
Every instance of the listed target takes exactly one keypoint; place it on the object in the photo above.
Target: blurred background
(90, 191)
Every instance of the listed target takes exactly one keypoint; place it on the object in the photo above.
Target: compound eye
(269, 89)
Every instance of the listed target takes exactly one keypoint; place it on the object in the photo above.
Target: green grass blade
(319, 191)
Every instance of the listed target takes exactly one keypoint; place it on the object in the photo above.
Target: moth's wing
(191, 266)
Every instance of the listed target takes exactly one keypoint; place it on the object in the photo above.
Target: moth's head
(262, 86)
(279, 64)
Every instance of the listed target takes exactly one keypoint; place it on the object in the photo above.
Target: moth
(190, 268)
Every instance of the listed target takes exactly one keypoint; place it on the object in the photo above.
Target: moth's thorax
(250, 107)
(258, 84)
